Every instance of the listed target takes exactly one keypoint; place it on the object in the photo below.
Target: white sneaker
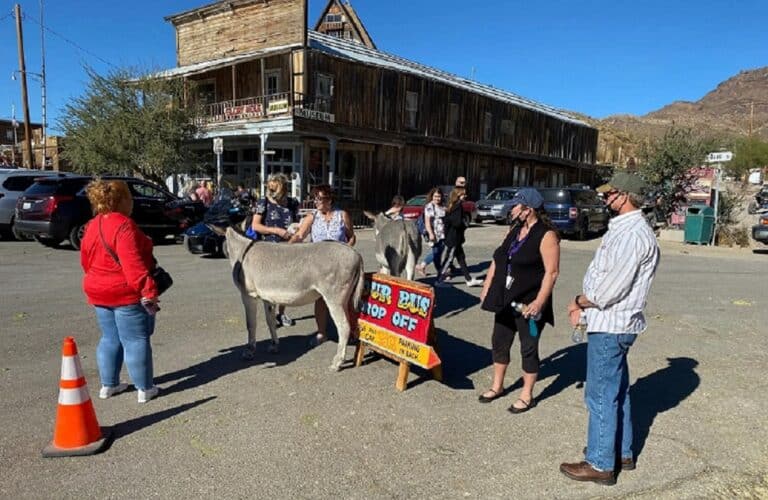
(475, 282)
(107, 392)
(150, 393)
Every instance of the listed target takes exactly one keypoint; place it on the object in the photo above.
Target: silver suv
(13, 182)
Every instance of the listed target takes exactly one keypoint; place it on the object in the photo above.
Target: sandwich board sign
(396, 321)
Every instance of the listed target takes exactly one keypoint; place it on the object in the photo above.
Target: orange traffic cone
(77, 431)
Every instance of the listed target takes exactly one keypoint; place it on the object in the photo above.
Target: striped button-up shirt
(619, 278)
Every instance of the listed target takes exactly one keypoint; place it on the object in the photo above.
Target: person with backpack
(272, 219)
(431, 227)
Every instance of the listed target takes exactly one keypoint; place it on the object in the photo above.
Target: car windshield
(556, 195)
(417, 201)
(500, 194)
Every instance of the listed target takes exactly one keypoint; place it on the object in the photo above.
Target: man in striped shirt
(614, 295)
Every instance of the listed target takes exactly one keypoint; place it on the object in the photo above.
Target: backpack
(421, 227)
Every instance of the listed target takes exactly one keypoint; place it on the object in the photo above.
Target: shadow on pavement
(658, 392)
(130, 426)
(230, 360)
(460, 360)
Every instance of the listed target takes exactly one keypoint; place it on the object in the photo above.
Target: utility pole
(24, 101)
(42, 88)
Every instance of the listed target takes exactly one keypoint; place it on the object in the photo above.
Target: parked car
(496, 205)
(760, 230)
(54, 209)
(760, 203)
(207, 237)
(575, 211)
(13, 182)
(414, 207)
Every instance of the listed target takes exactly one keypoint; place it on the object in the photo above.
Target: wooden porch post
(263, 164)
(333, 142)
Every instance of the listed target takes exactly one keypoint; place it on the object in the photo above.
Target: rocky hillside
(730, 109)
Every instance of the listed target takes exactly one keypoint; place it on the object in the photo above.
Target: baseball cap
(528, 197)
(625, 182)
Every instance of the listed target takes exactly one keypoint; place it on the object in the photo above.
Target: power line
(10, 14)
(74, 44)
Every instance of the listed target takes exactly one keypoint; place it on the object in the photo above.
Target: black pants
(505, 324)
(458, 253)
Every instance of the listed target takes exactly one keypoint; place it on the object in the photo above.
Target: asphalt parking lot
(284, 426)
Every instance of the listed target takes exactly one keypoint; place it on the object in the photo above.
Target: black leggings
(505, 324)
(458, 253)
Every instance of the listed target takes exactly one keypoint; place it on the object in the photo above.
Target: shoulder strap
(104, 242)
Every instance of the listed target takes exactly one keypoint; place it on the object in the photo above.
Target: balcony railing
(266, 107)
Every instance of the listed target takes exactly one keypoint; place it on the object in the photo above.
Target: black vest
(527, 269)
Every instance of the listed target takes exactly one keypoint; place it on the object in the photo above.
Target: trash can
(699, 224)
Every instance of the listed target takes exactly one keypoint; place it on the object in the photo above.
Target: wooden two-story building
(326, 106)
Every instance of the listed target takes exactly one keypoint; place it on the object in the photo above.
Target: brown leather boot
(582, 471)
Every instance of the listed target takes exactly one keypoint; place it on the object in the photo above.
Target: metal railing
(249, 108)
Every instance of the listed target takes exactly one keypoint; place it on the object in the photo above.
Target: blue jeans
(607, 398)
(125, 332)
(435, 254)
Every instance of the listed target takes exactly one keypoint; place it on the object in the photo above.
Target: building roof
(209, 9)
(358, 52)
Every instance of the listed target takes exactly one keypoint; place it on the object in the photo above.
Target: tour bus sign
(396, 316)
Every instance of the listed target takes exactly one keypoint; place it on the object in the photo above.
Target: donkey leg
(410, 265)
(338, 312)
(269, 313)
(250, 305)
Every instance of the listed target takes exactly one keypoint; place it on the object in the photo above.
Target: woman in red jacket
(117, 259)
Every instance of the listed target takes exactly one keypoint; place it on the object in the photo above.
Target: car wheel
(49, 242)
(76, 236)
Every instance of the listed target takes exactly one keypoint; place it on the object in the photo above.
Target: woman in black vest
(524, 270)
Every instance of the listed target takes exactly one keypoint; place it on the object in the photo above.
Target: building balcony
(268, 107)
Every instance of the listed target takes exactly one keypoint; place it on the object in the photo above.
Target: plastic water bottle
(580, 330)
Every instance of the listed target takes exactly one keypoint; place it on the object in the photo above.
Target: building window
(411, 109)
(333, 18)
(487, 127)
(453, 120)
(323, 92)
(335, 33)
(507, 128)
(205, 91)
(272, 81)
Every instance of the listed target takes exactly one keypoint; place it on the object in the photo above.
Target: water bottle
(580, 330)
(532, 328)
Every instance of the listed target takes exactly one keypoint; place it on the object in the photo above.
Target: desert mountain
(730, 110)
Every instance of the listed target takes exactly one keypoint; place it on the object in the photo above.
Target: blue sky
(598, 57)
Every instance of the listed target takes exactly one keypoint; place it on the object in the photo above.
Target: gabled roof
(354, 21)
(358, 52)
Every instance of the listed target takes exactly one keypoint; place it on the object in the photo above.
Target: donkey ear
(369, 215)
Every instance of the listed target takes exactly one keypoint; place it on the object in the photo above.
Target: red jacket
(107, 283)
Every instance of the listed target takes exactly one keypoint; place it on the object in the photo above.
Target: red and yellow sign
(397, 317)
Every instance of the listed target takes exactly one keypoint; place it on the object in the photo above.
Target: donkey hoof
(273, 348)
(248, 354)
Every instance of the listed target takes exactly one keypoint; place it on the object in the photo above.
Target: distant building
(12, 150)
(328, 107)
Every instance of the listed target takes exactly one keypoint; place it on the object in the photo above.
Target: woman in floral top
(434, 211)
(326, 223)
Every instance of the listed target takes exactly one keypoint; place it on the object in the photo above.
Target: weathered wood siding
(248, 81)
(247, 26)
(374, 98)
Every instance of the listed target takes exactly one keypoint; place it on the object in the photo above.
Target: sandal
(528, 405)
(485, 399)
(316, 340)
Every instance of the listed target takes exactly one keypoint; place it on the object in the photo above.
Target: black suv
(56, 209)
(575, 210)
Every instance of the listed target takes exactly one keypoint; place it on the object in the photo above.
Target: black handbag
(162, 278)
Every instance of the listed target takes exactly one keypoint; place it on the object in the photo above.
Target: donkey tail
(357, 292)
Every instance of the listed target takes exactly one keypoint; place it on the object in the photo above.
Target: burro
(296, 274)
